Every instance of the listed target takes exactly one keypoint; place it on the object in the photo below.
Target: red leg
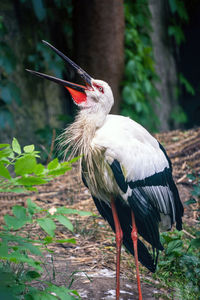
(134, 237)
(119, 239)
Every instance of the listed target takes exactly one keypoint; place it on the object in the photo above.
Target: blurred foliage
(40, 58)
(9, 92)
(178, 18)
(139, 89)
(138, 85)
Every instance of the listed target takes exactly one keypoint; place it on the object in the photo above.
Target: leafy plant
(179, 266)
(138, 89)
(19, 249)
(20, 255)
(9, 91)
(178, 18)
(179, 13)
(28, 172)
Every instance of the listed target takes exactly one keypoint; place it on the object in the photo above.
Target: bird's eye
(100, 89)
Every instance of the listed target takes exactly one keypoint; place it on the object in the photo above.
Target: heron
(127, 171)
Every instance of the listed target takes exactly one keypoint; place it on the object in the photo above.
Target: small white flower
(52, 210)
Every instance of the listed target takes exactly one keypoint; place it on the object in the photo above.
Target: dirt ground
(90, 264)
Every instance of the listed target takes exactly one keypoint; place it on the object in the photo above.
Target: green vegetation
(21, 255)
(27, 170)
(179, 265)
(179, 17)
(140, 76)
(138, 87)
(9, 91)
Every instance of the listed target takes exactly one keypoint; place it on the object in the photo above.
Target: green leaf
(173, 6)
(6, 118)
(48, 239)
(177, 33)
(14, 223)
(41, 296)
(6, 94)
(128, 94)
(24, 246)
(25, 165)
(4, 171)
(174, 246)
(195, 243)
(39, 169)
(189, 88)
(29, 148)
(32, 275)
(18, 190)
(15, 92)
(6, 152)
(19, 211)
(4, 145)
(53, 164)
(47, 225)
(31, 180)
(64, 221)
(39, 9)
(181, 10)
(130, 69)
(148, 86)
(196, 191)
(65, 210)
(16, 146)
(71, 241)
(18, 257)
(62, 292)
(190, 201)
(59, 171)
(32, 189)
(192, 177)
(73, 160)
(178, 114)
(32, 207)
(3, 249)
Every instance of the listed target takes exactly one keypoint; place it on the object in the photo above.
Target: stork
(125, 168)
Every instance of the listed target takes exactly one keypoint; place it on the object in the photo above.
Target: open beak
(77, 91)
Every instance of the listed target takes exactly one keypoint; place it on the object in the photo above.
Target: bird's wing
(153, 199)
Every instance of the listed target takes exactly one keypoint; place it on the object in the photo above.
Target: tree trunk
(164, 63)
(99, 41)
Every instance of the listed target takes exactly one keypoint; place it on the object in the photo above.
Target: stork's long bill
(77, 91)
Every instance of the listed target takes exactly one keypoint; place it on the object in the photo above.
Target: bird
(127, 171)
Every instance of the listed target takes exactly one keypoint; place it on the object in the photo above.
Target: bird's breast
(98, 175)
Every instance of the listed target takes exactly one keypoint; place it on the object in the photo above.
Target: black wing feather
(147, 206)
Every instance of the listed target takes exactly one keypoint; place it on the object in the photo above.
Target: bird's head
(95, 95)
